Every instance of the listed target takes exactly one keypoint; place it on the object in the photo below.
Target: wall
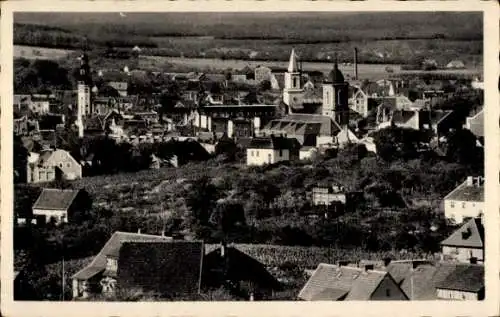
(463, 254)
(328, 100)
(37, 174)
(261, 156)
(457, 210)
(456, 295)
(321, 140)
(388, 290)
(39, 106)
(57, 214)
(70, 167)
(308, 154)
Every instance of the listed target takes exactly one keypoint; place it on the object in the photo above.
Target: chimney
(139, 231)
(473, 260)
(343, 263)
(470, 180)
(369, 267)
(356, 63)
(223, 249)
(387, 261)
(251, 297)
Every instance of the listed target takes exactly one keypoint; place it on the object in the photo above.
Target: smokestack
(356, 63)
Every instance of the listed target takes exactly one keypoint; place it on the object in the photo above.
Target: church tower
(293, 93)
(335, 97)
(83, 93)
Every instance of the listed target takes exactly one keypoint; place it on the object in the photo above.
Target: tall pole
(63, 275)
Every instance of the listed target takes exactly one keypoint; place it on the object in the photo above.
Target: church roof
(292, 65)
(336, 76)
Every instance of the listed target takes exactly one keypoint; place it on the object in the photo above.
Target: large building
(465, 201)
(310, 125)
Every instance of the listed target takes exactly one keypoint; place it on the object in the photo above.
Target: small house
(466, 282)
(99, 277)
(48, 164)
(467, 200)
(455, 64)
(466, 244)
(271, 150)
(60, 205)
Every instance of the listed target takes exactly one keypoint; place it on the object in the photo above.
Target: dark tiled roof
(55, 199)
(467, 278)
(167, 267)
(358, 283)
(238, 266)
(471, 235)
(467, 193)
(425, 279)
(112, 249)
(311, 123)
(402, 116)
(273, 142)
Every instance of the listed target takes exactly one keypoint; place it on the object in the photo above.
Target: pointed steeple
(292, 65)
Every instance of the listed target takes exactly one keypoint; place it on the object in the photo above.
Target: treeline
(53, 37)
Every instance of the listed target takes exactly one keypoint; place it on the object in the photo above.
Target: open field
(33, 52)
(266, 36)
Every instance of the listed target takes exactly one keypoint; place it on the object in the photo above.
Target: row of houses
(179, 268)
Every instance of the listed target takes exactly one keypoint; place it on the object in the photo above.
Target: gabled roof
(112, 249)
(336, 282)
(421, 283)
(470, 235)
(167, 267)
(466, 278)
(465, 192)
(55, 199)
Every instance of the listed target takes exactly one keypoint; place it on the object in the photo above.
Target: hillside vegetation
(381, 37)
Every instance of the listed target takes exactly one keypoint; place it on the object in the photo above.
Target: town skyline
(320, 162)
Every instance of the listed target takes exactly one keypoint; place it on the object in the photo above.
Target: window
(388, 292)
(251, 153)
(463, 205)
(281, 152)
(452, 204)
(68, 165)
(257, 152)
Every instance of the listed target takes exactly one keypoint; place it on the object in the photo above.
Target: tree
(395, 142)
(227, 148)
(461, 148)
(201, 200)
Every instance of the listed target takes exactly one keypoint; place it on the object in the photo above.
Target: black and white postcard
(194, 158)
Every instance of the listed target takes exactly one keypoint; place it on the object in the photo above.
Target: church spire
(292, 65)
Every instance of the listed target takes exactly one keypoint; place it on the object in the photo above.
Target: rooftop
(172, 267)
(332, 282)
(112, 249)
(471, 235)
(55, 199)
(467, 192)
